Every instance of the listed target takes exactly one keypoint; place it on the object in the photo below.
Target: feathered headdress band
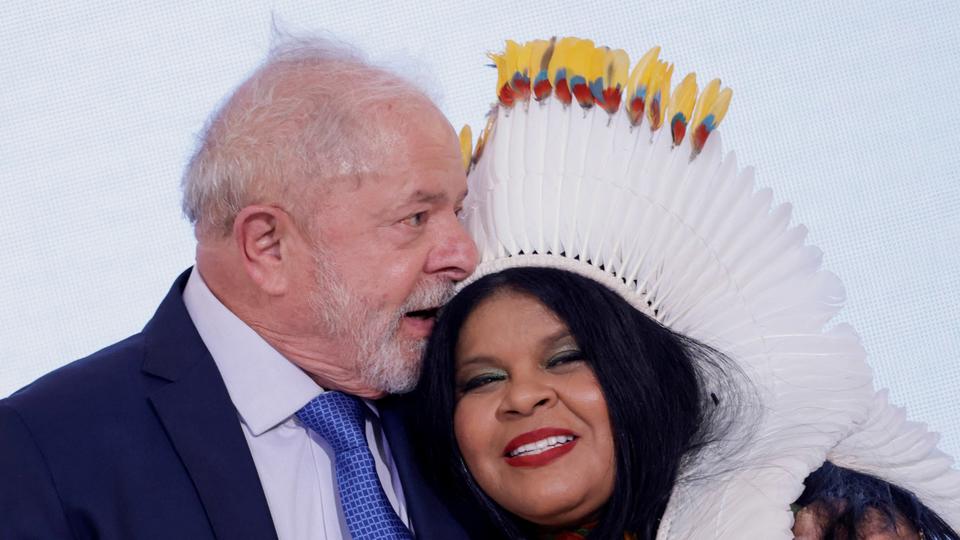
(575, 69)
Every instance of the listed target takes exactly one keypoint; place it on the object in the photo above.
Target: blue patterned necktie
(338, 418)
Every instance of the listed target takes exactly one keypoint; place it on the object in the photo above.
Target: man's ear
(263, 234)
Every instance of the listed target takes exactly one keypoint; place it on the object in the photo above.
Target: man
(324, 195)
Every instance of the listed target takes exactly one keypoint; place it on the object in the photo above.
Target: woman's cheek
(475, 432)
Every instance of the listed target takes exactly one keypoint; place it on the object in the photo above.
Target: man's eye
(415, 220)
(480, 381)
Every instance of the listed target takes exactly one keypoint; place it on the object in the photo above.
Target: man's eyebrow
(429, 197)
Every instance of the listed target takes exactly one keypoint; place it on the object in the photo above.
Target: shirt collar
(265, 387)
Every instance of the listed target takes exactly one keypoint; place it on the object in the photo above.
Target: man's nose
(455, 254)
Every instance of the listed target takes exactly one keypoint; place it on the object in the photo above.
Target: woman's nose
(524, 398)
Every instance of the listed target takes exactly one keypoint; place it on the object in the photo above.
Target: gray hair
(307, 113)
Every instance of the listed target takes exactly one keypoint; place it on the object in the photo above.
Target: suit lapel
(198, 416)
(430, 517)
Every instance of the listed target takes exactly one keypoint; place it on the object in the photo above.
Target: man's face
(388, 251)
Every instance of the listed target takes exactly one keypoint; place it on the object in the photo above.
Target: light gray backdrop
(848, 109)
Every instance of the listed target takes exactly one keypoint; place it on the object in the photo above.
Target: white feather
(558, 120)
(517, 181)
(535, 152)
(500, 178)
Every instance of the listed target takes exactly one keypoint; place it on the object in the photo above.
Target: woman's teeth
(540, 446)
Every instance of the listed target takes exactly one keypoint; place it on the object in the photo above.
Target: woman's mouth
(539, 447)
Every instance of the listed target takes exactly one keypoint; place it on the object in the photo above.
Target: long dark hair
(652, 379)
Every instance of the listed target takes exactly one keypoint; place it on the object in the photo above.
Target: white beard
(384, 360)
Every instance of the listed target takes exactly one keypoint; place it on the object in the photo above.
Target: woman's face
(530, 419)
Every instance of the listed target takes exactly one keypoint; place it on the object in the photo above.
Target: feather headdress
(592, 167)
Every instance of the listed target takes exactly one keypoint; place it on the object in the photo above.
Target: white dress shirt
(296, 466)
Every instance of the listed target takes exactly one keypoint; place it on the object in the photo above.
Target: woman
(670, 296)
(543, 329)
(573, 413)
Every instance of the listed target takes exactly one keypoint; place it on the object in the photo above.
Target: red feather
(611, 99)
(678, 129)
(506, 95)
(542, 89)
(563, 92)
(584, 95)
(700, 138)
(521, 86)
(655, 115)
(635, 110)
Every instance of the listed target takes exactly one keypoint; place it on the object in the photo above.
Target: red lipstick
(543, 457)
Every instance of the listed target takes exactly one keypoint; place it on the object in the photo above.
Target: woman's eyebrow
(479, 359)
(560, 335)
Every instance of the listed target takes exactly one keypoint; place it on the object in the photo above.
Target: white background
(849, 110)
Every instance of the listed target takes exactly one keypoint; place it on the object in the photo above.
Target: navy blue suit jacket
(140, 440)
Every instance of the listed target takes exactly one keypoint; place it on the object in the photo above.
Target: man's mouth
(423, 314)
(419, 322)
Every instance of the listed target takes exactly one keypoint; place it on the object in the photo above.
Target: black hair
(848, 495)
(653, 380)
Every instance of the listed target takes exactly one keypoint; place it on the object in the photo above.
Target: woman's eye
(480, 381)
(564, 358)
(415, 220)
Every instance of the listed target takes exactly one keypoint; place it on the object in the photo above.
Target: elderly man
(324, 195)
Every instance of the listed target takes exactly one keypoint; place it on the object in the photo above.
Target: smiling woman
(571, 407)
(527, 399)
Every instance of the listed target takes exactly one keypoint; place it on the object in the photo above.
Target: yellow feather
(485, 134)
(641, 72)
(684, 97)
(523, 59)
(538, 49)
(596, 64)
(665, 89)
(466, 146)
(719, 109)
(580, 56)
(561, 57)
(506, 63)
(619, 65)
(659, 82)
(705, 103)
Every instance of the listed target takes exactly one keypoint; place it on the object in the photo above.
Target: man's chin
(395, 369)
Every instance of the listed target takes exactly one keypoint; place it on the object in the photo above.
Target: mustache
(429, 295)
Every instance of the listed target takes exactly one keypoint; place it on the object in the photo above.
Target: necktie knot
(338, 418)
